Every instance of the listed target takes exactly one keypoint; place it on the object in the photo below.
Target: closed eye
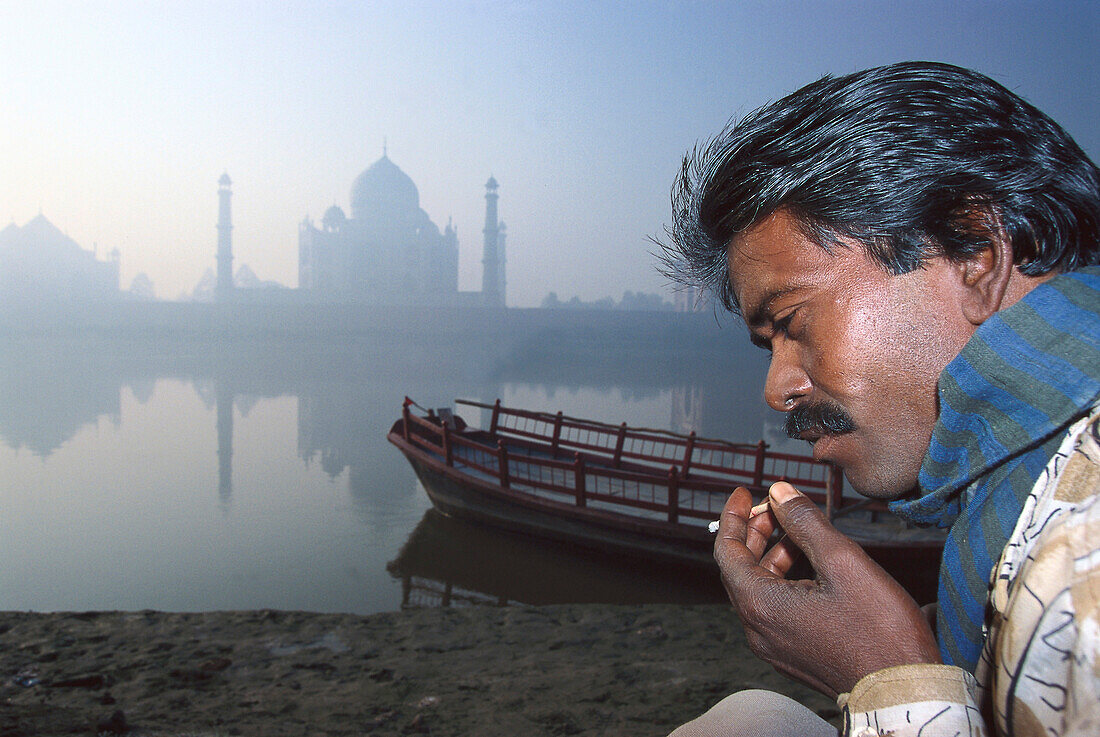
(783, 324)
(779, 327)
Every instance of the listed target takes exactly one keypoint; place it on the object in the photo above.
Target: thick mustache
(823, 418)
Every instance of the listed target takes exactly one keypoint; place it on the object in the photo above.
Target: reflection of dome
(384, 190)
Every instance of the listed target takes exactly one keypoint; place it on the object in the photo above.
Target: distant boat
(632, 491)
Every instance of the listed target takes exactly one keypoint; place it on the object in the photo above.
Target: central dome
(383, 190)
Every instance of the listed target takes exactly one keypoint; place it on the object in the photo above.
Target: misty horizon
(121, 117)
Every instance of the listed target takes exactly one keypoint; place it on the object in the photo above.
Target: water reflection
(49, 391)
(193, 475)
(224, 405)
(447, 562)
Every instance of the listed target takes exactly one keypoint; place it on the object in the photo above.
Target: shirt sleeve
(908, 700)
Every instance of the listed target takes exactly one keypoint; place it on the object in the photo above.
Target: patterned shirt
(1039, 671)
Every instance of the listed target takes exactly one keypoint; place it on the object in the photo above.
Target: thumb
(808, 528)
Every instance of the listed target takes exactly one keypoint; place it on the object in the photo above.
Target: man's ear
(985, 275)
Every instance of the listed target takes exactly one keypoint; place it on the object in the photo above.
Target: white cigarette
(758, 509)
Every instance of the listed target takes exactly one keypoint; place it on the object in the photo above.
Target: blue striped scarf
(1005, 403)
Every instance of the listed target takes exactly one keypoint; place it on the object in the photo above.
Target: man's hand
(852, 620)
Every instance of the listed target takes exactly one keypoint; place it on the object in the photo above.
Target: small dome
(334, 217)
(383, 190)
(225, 181)
(492, 183)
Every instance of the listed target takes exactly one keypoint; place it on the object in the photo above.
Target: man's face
(856, 351)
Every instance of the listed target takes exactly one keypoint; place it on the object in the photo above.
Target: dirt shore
(557, 670)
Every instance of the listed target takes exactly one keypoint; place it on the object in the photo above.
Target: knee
(756, 713)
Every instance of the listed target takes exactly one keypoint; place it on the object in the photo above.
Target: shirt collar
(1025, 374)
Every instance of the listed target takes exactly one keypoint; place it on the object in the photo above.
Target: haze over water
(184, 482)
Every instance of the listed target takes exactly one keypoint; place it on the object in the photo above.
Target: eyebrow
(759, 315)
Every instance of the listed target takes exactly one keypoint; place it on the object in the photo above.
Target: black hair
(913, 160)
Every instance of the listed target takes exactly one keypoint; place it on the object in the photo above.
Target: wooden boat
(635, 491)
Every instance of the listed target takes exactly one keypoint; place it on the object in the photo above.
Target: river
(190, 476)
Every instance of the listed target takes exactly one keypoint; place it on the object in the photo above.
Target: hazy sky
(116, 119)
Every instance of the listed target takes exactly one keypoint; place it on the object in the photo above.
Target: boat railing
(577, 481)
(749, 464)
(620, 443)
(582, 471)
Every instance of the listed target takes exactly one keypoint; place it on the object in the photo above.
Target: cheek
(853, 340)
(870, 350)
(909, 359)
(930, 322)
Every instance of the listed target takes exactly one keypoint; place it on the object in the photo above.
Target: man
(916, 246)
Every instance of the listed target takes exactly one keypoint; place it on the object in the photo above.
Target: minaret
(491, 294)
(224, 289)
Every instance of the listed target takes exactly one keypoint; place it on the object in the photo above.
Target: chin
(876, 487)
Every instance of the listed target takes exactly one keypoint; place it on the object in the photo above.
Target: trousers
(757, 713)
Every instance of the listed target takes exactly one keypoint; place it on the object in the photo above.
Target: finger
(781, 558)
(759, 530)
(730, 549)
(808, 528)
(735, 514)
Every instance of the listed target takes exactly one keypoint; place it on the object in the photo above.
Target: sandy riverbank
(559, 670)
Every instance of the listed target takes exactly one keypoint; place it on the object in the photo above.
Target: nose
(787, 381)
